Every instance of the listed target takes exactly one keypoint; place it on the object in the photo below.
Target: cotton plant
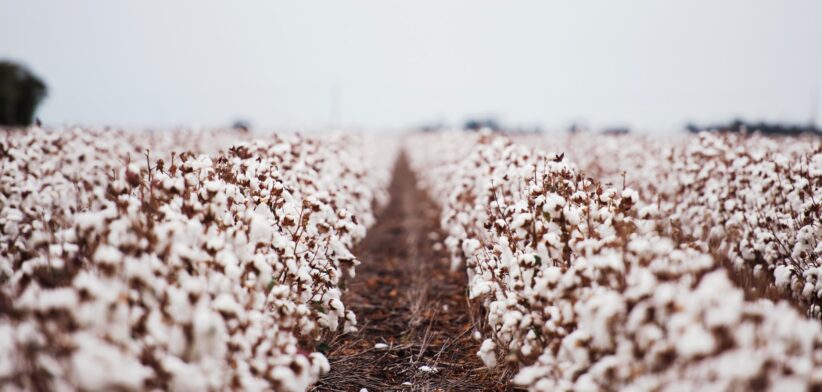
(135, 265)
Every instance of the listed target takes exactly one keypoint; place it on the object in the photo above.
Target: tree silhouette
(20, 93)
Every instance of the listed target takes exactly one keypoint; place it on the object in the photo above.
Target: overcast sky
(652, 65)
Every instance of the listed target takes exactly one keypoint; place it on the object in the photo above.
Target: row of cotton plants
(139, 261)
(584, 290)
(752, 200)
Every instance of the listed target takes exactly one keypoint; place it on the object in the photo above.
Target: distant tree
(20, 93)
(741, 126)
(475, 124)
(241, 125)
(615, 131)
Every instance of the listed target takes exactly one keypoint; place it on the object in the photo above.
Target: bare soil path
(406, 297)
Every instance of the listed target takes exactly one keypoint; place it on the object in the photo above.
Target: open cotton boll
(261, 229)
(427, 369)
(782, 276)
(487, 353)
(470, 247)
(97, 365)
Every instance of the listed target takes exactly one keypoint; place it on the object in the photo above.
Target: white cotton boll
(184, 376)
(156, 327)
(55, 250)
(487, 353)
(631, 195)
(611, 260)
(53, 367)
(319, 363)
(650, 211)
(520, 220)
(789, 384)
(265, 268)
(337, 305)
(607, 195)
(552, 239)
(231, 266)
(350, 322)
(289, 380)
(572, 215)
(573, 349)
(90, 220)
(600, 316)
(193, 285)
(530, 374)
(553, 203)
(214, 186)
(747, 253)
(179, 306)
(215, 241)
(480, 288)
(7, 351)
(261, 230)
(807, 290)
(427, 369)
(98, 365)
(12, 214)
(470, 247)
(39, 299)
(695, 340)
(782, 276)
(642, 282)
(11, 228)
(225, 303)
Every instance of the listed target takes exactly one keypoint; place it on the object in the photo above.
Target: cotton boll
(649, 212)
(319, 363)
(782, 276)
(572, 215)
(470, 247)
(427, 369)
(97, 365)
(695, 341)
(261, 230)
(487, 353)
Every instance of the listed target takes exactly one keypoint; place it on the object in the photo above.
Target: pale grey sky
(649, 64)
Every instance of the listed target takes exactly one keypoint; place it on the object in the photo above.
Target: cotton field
(223, 260)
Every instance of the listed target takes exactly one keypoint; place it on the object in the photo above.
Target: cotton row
(176, 269)
(751, 200)
(583, 288)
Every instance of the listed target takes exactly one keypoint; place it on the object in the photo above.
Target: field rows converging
(222, 260)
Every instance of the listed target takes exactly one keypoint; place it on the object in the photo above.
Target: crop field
(219, 260)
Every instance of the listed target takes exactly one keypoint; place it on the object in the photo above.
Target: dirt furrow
(407, 299)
